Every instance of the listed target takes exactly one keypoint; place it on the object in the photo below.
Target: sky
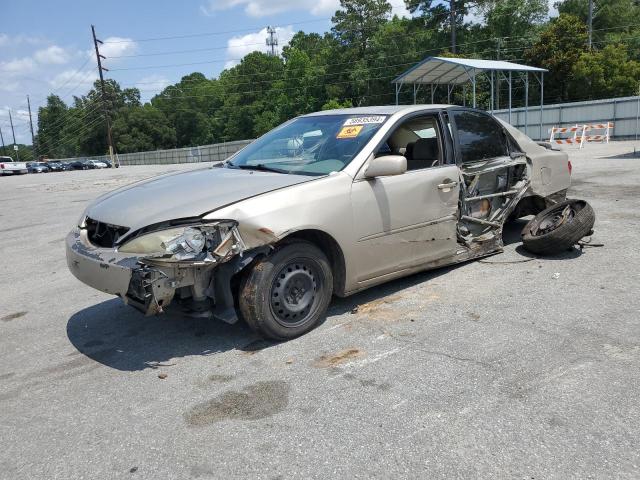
(46, 46)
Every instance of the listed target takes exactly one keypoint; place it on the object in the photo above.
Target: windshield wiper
(260, 167)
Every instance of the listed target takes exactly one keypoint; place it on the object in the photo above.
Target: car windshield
(315, 145)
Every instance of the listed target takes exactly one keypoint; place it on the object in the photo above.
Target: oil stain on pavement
(256, 401)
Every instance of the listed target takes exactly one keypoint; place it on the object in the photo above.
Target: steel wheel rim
(294, 293)
(553, 220)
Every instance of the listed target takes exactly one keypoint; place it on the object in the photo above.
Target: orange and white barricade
(581, 134)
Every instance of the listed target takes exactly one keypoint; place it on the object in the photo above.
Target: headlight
(153, 242)
(208, 242)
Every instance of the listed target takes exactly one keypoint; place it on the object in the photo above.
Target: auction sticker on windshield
(350, 132)
(364, 120)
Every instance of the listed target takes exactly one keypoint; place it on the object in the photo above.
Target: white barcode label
(364, 120)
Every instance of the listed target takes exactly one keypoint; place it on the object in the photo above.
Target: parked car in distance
(37, 167)
(107, 163)
(97, 163)
(9, 167)
(55, 166)
(80, 165)
(329, 203)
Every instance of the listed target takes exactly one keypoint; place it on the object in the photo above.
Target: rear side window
(480, 136)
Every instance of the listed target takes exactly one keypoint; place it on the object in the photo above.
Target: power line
(209, 34)
(69, 117)
(68, 138)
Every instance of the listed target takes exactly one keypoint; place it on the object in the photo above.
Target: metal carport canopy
(443, 70)
(450, 71)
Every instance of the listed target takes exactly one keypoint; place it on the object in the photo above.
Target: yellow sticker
(350, 132)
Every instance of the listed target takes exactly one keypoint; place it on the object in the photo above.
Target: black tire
(559, 227)
(286, 294)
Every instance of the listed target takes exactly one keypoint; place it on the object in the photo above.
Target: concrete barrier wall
(622, 111)
(204, 153)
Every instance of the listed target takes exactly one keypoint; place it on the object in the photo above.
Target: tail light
(1, 165)
(569, 166)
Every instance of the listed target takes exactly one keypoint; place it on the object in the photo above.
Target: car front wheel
(286, 294)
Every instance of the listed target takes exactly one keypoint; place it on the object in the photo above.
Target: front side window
(316, 145)
(418, 139)
(480, 137)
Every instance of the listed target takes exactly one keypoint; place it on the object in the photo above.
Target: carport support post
(510, 88)
(473, 82)
(541, 101)
(492, 95)
(415, 93)
(398, 87)
(526, 103)
(432, 93)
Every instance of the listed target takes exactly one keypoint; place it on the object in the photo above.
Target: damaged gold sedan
(328, 203)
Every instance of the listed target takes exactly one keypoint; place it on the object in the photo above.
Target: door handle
(447, 186)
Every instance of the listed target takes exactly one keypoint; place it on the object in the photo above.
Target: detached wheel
(559, 227)
(286, 294)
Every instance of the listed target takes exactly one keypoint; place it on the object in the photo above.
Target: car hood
(184, 195)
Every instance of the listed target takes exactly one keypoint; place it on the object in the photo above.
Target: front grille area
(103, 234)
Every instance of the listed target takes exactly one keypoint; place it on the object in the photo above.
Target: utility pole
(272, 40)
(15, 146)
(33, 138)
(104, 95)
(2, 138)
(590, 22)
(452, 13)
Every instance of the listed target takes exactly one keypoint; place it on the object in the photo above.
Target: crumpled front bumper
(101, 268)
(146, 288)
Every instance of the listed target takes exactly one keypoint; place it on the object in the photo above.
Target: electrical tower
(99, 58)
(272, 41)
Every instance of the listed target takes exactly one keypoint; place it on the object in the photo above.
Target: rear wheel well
(531, 205)
(331, 249)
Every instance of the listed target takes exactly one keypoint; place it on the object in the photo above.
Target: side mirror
(386, 166)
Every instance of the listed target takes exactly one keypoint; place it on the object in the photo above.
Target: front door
(407, 220)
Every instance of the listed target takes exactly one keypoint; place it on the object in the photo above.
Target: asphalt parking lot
(513, 367)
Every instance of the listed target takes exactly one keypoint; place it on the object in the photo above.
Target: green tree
(514, 19)
(25, 151)
(559, 47)
(357, 21)
(190, 106)
(142, 128)
(248, 93)
(52, 119)
(91, 110)
(605, 73)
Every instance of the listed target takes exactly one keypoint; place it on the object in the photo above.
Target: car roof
(379, 110)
